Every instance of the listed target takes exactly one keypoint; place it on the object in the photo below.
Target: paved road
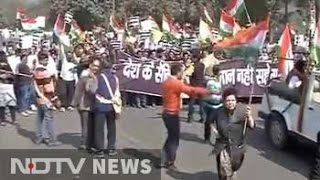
(143, 128)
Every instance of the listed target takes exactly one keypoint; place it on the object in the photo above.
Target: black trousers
(87, 128)
(12, 110)
(171, 145)
(100, 118)
(210, 117)
(66, 92)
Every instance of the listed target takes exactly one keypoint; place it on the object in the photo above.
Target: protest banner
(145, 76)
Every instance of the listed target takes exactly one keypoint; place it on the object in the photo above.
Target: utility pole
(113, 6)
(317, 6)
(286, 11)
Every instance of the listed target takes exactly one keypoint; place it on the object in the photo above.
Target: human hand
(92, 75)
(248, 112)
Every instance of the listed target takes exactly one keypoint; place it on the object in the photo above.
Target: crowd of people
(50, 78)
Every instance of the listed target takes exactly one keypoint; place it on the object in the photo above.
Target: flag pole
(247, 13)
(250, 100)
(251, 94)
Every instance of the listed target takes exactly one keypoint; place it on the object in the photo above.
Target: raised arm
(194, 91)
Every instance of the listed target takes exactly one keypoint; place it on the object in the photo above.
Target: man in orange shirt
(171, 97)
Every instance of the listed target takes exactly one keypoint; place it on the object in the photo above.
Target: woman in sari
(231, 120)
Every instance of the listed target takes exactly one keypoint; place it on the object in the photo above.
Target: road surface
(144, 129)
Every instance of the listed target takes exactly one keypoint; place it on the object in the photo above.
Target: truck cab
(291, 112)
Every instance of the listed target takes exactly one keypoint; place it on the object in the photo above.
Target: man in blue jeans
(44, 85)
(25, 86)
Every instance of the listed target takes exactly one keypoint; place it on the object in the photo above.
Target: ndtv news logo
(43, 166)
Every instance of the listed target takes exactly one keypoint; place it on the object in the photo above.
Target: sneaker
(25, 114)
(112, 152)
(53, 143)
(62, 109)
(190, 119)
(38, 141)
(54, 108)
(172, 167)
(82, 147)
(33, 107)
(91, 150)
(15, 123)
(30, 112)
(99, 154)
(206, 141)
(3, 124)
(70, 108)
(169, 166)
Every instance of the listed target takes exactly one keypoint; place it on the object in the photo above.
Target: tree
(57, 7)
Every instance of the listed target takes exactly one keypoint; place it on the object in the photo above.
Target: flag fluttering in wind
(117, 23)
(29, 23)
(156, 35)
(169, 28)
(205, 33)
(149, 24)
(166, 23)
(235, 8)
(227, 24)
(66, 30)
(236, 28)
(246, 43)
(285, 63)
(315, 48)
(207, 15)
(59, 33)
(72, 28)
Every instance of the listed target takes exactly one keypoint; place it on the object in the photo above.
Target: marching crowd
(44, 79)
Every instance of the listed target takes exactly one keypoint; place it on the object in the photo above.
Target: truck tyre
(315, 170)
(277, 131)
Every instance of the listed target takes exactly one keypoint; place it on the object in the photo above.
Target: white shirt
(67, 72)
(32, 58)
(13, 61)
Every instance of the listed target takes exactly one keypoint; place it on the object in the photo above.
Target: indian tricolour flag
(236, 8)
(117, 23)
(205, 33)
(315, 49)
(29, 23)
(227, 24)
(59, 32)
(149, 24)
(285, 63)
(246, 43)
(168, 25)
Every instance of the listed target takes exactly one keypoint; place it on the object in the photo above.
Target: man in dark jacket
(84, 99)
(104, 112)
(196, 80)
